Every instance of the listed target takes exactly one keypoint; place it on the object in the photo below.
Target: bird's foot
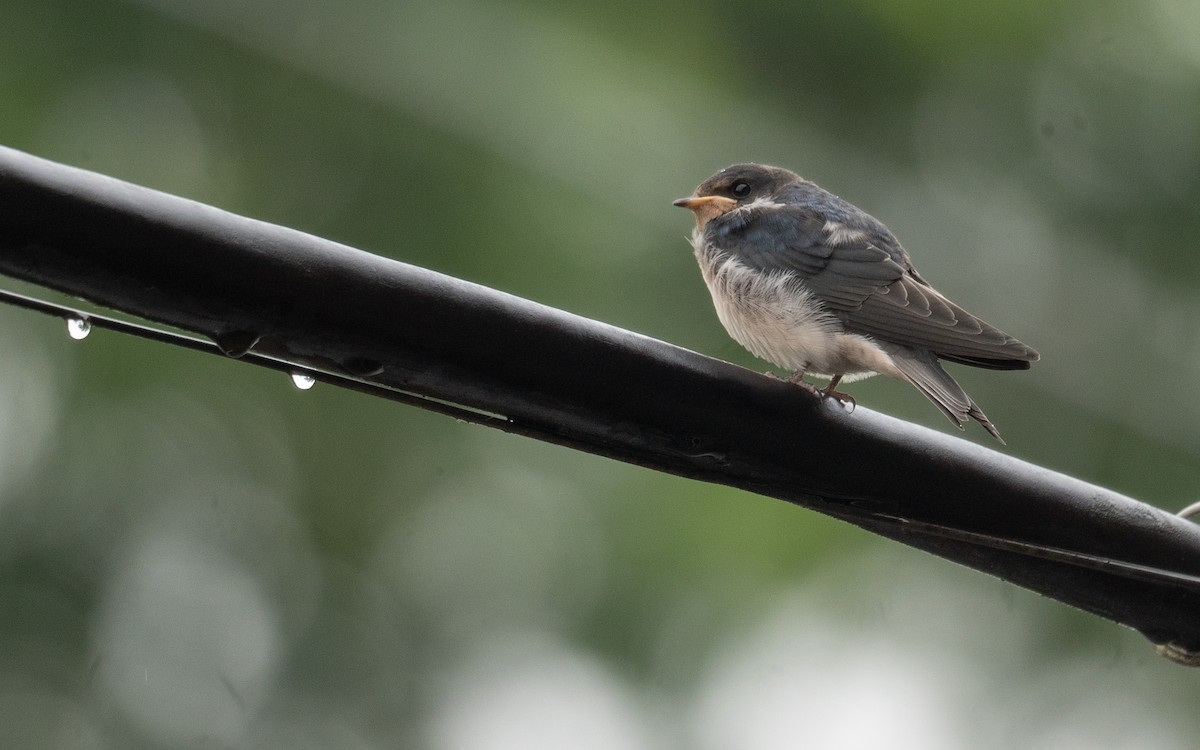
(797, 378)
(844, 398)
(830, 391)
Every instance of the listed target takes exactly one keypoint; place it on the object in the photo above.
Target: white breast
(777, 319)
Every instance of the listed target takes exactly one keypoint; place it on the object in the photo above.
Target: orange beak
(706, 208)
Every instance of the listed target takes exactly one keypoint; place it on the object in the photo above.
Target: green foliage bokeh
(195, 554)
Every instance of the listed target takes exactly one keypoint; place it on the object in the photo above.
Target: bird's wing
(865, 279)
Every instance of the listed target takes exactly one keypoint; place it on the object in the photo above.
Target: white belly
(776, 319)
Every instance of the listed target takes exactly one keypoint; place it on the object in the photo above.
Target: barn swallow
(815, 285)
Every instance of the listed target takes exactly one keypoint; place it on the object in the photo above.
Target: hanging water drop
(78, 327)
(303, 380)
(235, 344)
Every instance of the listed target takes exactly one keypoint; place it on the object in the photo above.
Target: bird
(815, 285)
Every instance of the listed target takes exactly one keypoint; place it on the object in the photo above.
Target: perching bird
(815, 285)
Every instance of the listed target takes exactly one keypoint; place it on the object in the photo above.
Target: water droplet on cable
(79, 327)
(235, 343)
(303, 380)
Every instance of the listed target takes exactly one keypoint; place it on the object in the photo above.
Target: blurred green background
(195, 554)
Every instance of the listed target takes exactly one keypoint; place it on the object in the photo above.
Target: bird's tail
(922, 369)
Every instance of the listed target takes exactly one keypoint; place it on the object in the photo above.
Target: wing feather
(866, 280)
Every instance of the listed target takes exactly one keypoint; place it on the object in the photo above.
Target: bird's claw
(797, 378)
(844, 398)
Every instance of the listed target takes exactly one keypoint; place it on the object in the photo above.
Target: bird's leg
(829, 390)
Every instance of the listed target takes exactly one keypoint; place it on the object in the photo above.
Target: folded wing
(865, 279)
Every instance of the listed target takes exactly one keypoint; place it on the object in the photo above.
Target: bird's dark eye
(740, 189)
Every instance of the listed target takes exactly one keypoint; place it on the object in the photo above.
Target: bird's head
(735, 187)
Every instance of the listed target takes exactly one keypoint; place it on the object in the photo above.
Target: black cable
(1120, 567)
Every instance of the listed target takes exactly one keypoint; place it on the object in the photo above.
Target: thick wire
(1069, 557)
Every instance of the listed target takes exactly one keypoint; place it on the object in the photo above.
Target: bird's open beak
(706, 208)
